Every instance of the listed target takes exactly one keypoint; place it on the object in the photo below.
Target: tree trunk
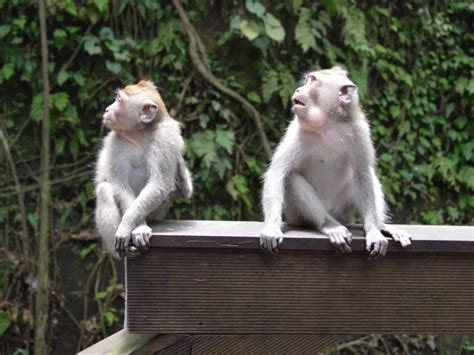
(42, 297)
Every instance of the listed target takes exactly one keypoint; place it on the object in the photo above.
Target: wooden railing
(206, 287)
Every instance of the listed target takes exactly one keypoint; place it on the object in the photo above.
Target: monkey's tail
(185, 180)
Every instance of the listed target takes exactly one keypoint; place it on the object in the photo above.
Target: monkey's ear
(347, 94)
(148, 113)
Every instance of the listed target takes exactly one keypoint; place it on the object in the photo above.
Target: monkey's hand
(376, 244)
(122, 240)
(399, 236)
(141, 237)
(340, 237)
(271, 238)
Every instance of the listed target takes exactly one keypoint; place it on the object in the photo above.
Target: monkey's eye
(310, 78)
(119, 99)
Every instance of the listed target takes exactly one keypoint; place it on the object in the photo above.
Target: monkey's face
(136, 107)
(324, 96)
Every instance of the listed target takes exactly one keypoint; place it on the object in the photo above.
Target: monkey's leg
(368, 198)
(303, 203)
(108, 218)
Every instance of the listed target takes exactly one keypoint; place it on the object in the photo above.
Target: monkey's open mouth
(298, 102)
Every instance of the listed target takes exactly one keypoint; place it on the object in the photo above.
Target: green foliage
(5, 322)
(262, 23)
(413, 64)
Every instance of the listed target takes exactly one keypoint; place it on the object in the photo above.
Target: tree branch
(199, 59)
(42, 297)
(21, 201)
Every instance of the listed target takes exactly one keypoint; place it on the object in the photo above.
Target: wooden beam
(121, 342)
(211, 278)
(245, 235)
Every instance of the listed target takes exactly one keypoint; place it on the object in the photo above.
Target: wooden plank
(164, 344)
(244, 235)
(235, 291)
(262, 344)
(121, 342)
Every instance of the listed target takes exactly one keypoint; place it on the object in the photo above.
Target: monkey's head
(325, 96)
(136, 107)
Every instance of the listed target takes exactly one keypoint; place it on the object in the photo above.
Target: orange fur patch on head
(148, 88)
(339, 70)
(147, 84)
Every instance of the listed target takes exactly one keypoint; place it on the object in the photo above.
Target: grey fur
(136, 179)
(317, 174)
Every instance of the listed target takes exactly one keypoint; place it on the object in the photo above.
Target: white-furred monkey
(140, 169)
(325, 165)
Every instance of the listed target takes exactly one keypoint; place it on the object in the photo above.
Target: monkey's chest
(332, 177)
(138, 174)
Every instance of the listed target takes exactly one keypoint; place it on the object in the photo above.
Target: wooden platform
(206, 287)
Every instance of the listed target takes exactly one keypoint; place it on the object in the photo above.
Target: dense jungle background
(227, 76)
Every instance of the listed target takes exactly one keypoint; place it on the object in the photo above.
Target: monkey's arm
(284, 160)
(159, 185)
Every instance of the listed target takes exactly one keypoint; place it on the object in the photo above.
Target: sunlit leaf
(32, 218)
(249, 29)
(62, 76)
(273, 28)
(92, 45)
(255, 7)
(8, 70)
(113, 67)
(225, 139)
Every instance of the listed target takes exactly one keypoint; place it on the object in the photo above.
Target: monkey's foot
(271, 238)
(398, 235)
(141, 237)
(376, 244)
(340, 237)
(132, 252)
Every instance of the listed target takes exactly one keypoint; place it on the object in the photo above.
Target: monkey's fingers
(121, 244)
(132, 252)
(403, 238)
(348, 237)
(264, 244)
(141, 241)
(338, 241)
(405, 241)
(269, 244)
(374, 249)
(398, 235)
(276, 242)
(142, 244)
(379, 249)
(118, 248)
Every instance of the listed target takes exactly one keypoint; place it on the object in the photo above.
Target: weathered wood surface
(239, 344)
(244, 235)
(124, 343)
(211, 278)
